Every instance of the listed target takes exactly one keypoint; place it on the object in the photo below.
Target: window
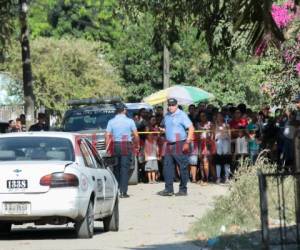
(88, 120)
(95, 154)
(31, 148)
(86, 155)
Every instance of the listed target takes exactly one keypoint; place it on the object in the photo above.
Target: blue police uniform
(175, 131)
(121, 128)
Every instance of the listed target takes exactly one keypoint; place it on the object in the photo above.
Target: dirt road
(147, 221)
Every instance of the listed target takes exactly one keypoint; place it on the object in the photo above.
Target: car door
(109, 183)
(96, 177)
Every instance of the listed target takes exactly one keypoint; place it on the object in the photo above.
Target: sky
(4, 98)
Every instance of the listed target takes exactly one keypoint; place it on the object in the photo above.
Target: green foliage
(240, 82)
(238, 213)
(89, 19)
(65, 69)
(38, 18)
(139, 64)
(7, 15)
(284, 81)
(201, 35)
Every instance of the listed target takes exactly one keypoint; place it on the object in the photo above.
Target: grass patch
(234, 222)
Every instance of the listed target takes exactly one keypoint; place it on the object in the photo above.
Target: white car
(55, 178)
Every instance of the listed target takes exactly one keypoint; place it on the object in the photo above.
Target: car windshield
(31, 148)
(95, 120)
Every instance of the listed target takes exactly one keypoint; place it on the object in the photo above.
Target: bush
(239, 212)
(63, 69)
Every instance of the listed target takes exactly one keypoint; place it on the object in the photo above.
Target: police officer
(119, 142)
(176, 122)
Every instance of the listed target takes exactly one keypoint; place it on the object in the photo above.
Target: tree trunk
(166, 78)
(26, 64)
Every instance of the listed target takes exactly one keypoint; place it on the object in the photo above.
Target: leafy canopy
(64, 69)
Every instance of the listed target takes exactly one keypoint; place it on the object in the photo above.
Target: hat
(172, 101)
(41, 115)
(120, 107)
(297, 97)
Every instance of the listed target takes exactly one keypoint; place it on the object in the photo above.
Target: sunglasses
(170, 105)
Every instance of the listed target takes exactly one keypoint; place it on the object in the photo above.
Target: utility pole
(166, 79)
(26, 64)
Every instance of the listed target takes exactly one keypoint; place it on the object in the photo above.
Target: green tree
(219, 21)
(7, 14)
(138, 62)
(89, 19)
(64, 69)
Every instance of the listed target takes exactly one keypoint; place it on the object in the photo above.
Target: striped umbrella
(185, 95)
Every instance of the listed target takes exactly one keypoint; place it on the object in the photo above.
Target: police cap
(172, 102)
(120, 107)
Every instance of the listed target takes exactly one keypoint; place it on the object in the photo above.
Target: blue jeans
(123, 154)
(174, 155)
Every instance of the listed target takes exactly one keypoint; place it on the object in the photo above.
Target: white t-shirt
(289, 131)
(241, 145)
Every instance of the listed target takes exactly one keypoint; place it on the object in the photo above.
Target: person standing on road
(41, 125)
(118, 139)
(176, 122)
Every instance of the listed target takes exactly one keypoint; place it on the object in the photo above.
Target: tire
(134, 173)
(111, 223)
(5, 227)
(85, 228)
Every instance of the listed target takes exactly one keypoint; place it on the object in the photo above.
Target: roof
(138, 105)
(65, 135)
(91, 108)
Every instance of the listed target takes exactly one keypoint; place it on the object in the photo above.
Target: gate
(280, 209)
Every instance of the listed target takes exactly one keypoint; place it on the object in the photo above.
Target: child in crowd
(223, 146)
(207, 148)
(152, 151)
(241, 145)
(253, 146)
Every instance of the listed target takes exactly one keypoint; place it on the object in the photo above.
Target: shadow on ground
(238, 241)
(44, 233)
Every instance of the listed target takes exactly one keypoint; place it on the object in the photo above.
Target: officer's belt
(125, 142)
(175, 142)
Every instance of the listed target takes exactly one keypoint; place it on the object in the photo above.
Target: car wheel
(111, 223)
(5, 227)
(85, 228)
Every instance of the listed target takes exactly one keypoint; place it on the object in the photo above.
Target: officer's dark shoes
(165, 193)
(124, 195)
(181, 193)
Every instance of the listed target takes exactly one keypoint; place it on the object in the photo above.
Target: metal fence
(280, 214)
(280, 209)
(10, 112)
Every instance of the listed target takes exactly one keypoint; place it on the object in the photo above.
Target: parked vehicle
(133, 108)
(3, 127)
(55, 178)
(90, 117)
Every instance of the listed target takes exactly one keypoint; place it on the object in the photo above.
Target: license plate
(16, 208)
(17, 184)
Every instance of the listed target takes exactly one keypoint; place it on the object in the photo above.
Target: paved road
(147, 221)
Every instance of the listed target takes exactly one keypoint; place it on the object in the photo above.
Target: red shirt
(236, 124)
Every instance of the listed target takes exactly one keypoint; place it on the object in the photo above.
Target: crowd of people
(223, 136)
(19, 124)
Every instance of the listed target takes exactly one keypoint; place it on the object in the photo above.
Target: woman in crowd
(207, 147)
(223, 146)
(152, 150)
